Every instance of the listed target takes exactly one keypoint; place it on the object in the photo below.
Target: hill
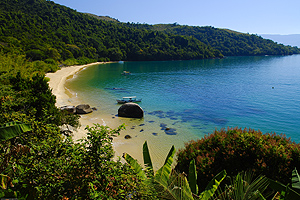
(228, 42)
(44, 30)
(292, 39)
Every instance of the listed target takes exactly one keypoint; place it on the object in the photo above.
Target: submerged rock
(168, 131)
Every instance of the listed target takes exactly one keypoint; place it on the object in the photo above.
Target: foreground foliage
(270, 154)
(166, 183)
(289, 191)
(58, 168)
(42, 163)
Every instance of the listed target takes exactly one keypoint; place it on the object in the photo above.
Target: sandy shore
(139, 129)
(57, 84)
(63, 98)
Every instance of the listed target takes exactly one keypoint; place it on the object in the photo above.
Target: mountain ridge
(44, 30)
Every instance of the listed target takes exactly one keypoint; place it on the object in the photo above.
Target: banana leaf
(178, 188)
(279, 187)
(146, 156)
(135, 166)
(163, 174)
(13, 129)
(213, 185)
(295, 180)
(192, 178)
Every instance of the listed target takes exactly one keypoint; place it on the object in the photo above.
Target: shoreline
(140, 130)
(64, 97)
(57, 84)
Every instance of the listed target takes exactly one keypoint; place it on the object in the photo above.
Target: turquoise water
(194, 98)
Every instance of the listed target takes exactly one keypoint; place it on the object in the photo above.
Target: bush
(237, 150)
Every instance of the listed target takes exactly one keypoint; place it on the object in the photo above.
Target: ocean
(194, 98)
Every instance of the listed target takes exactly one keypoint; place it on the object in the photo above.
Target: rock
(70, 109)
(83, 109)
(131, 110)
(94, 109)
(127, 137)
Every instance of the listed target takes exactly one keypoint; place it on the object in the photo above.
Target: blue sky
(247, 16)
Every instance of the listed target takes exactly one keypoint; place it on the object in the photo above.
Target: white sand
(63, 98)
(57, 84)
(158, 145)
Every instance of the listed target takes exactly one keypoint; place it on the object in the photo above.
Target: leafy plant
(287, 191)
(168, 182)
(243, 187)
(237, 150)
(13, 129)
(165, 180)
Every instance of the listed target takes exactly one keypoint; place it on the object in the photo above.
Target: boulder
(70, 109)
(127, 137)
(83, 109)
(131, 110)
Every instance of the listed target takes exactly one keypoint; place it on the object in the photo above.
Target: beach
(65, 97)
(140, 130)
(57, 84)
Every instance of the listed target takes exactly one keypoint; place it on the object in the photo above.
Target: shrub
(237, 150)
(60, 168)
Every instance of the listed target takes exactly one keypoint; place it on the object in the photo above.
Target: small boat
(126, 73)
(128, 99)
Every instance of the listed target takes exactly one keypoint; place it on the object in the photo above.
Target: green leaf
(295, 179)
(178, 187)
(192, 178)
(213, 185)
(13, 129)
(279, 187)
(163, 174)
(146, 155)
(135, 166)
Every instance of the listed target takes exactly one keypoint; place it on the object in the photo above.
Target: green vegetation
(52, 34)
(43, 30)
(237, 150)
(289, 191)
(228, 42)
(37, 159)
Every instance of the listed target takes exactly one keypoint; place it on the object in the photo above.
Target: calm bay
(193, 98)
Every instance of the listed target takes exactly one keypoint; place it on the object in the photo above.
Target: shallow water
(193, 98)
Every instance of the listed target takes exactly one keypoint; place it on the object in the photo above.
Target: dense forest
(228, 42)
(43, 30)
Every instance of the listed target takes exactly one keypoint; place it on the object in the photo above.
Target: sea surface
(186, 100)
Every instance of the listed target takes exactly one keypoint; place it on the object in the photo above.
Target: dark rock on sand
(127, 137)
(131, 110)
(83, 109)
(70, 109)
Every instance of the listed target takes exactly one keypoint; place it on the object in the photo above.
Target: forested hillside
(228, 42)
(44, 30)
